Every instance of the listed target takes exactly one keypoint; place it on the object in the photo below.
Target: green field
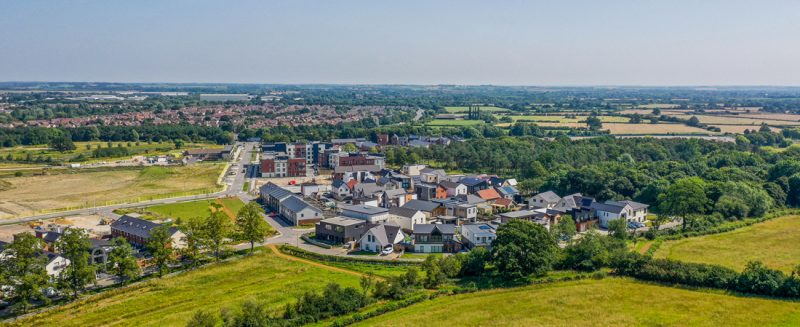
(171, 301)
(607, 302)
(455, 110)
(86, 149)
(193, 209)
(564, 119)
(449, 122)
(776, 242)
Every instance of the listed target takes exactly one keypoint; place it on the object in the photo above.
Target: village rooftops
(365, 209)
(342, 221)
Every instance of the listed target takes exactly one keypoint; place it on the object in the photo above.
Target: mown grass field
(455, 110)
(776, 242)
(86, 149)
(76, 188)
(564, 119)
(172, 301)
(193, 209)
(607, 302)
(449, 122)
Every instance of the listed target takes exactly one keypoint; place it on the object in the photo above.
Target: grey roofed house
(403, 211)
(365, 209)
(634, 205)
(367, 189)
(345, 169)
(429, 228)
(507, 191)
(470, 198)
(51, 237)
(395, 192)
(296, 204)
(342, 221)
(613, 208)
(385, 233)
(549, 196)
(337, 183)
(426, 206)
(449, 184)
(471, 181)
(136, 226)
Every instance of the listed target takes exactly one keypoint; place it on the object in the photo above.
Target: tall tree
(687, 196)
(25, 264)
(160, 247)
(193, 236)
(216, 229)
(122, 261)
(523, 248)
(250, 225)
(565, 229)
(74, 245)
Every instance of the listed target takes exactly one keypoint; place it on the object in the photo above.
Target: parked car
(387, 250)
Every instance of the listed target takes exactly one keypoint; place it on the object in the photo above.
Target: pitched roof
(507, 190)
(548, 196)
(488, 194)
(608, 207)
(471, 181)
(403, 211)
(136, 226)
(337, 183)
(429, 228)
(503, 202)
(296, 204)
(395, 192)
(385, 233)
(449, 184)
(470, 198)
(634, 205)
(421, 205)
(351, 183)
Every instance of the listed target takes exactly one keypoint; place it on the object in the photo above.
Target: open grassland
(737, 120)
(172, 301)
(652, 129)
(776, 242)
(77, 188)
(607, 302)
(84, 151)
(193, 209)
(564, 119)
(658, 105)
(739, 129)
(456, 110)
(452, 122)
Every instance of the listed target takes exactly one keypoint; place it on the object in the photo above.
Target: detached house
(435, 238)
(547, 199)
(137, 231)
(473, 235)
(299, 212)
(339, 230)
(340, 190)
(380, 236)
(474, 184)
(369, 214)
(406, 218)
(628, 210)
(453, 188)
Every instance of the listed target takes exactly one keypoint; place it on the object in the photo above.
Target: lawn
(775, 242)
(450, 122)
(454, 110)
(607, 302)
(76, 188)
(171, 301)
(193, 209)
(86, 150)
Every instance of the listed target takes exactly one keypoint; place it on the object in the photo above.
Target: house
(543, 216)
(504, 204)
(310, 189)
(299, 212)
(272, 195)
(55, 264)
(413, 170)
(466, 211)
(381, 236)
(406, 218)
(432, 176)
(482, 235)
(137, 231)
(427, 207)
(99, 250)
(508, 192)
(474, 184)
(395, 198)
(453, 188)
(488, 195)
(435, 238)
(367, 190)
(581, 210)
(339, 230)
(429, 192)
(340, 190)
(547, 199)
(611, 210)
(369, 214)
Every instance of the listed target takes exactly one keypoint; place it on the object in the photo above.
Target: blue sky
(558, 42)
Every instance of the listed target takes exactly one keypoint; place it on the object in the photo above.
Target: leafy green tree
(216, 229)
(24, 266)
(203, 318)
(434, 275)
(62, 143)
(618, 229)
(565, 229)
(594, 123)
(252, 314)
(74, 245)
(523, 248)
(250, 225)
(475, 262)
(349, 147)
(193, 237)
(122, 261)
(685, 197)
(160, 247)
(589, 253)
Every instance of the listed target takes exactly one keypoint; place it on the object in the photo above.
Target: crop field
(172, 301)
(659, 106)
(652, 129)
(75, 188)
(455, 110)
(449, 122)
(84, 150)
(582, 303)
(739, 129)
(775, 242)
(738, 120)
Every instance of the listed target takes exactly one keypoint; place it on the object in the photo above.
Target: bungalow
(299, 212)
(381, 236)
(137, 231)
(369, 214)
(338, 230)
(482, 235)
(406, 218)
(453, 188)
(435, 238)
(547, 199)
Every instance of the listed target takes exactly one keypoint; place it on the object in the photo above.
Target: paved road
(232, 187)
(420, 112)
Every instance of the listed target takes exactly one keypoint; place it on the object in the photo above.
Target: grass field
(454, 110)
(449, 122)
(564, 119)
(193, 209)
(775, 242)
(652, 129)
(171, 301)
(94, 187)
(607, 302)
(739, 129)
(739, 120)
(86, 149)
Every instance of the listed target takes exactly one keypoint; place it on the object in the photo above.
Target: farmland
(565, 119)
(774, 242)
(455, 110)
(611, 301)
(84, 150)
(448, 122)
(171, 301)
(74, 188)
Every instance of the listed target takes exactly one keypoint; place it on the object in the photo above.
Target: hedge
(298, 252)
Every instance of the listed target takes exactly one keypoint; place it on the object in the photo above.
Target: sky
(556, 42)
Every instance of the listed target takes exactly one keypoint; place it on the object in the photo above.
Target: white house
(299, 212)
(454, 188)
(380, 236)
(628, 210)
(547, 199)
(340, 190)
(55, 264)
(371, 214)
(473, 235)
(406, 218)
